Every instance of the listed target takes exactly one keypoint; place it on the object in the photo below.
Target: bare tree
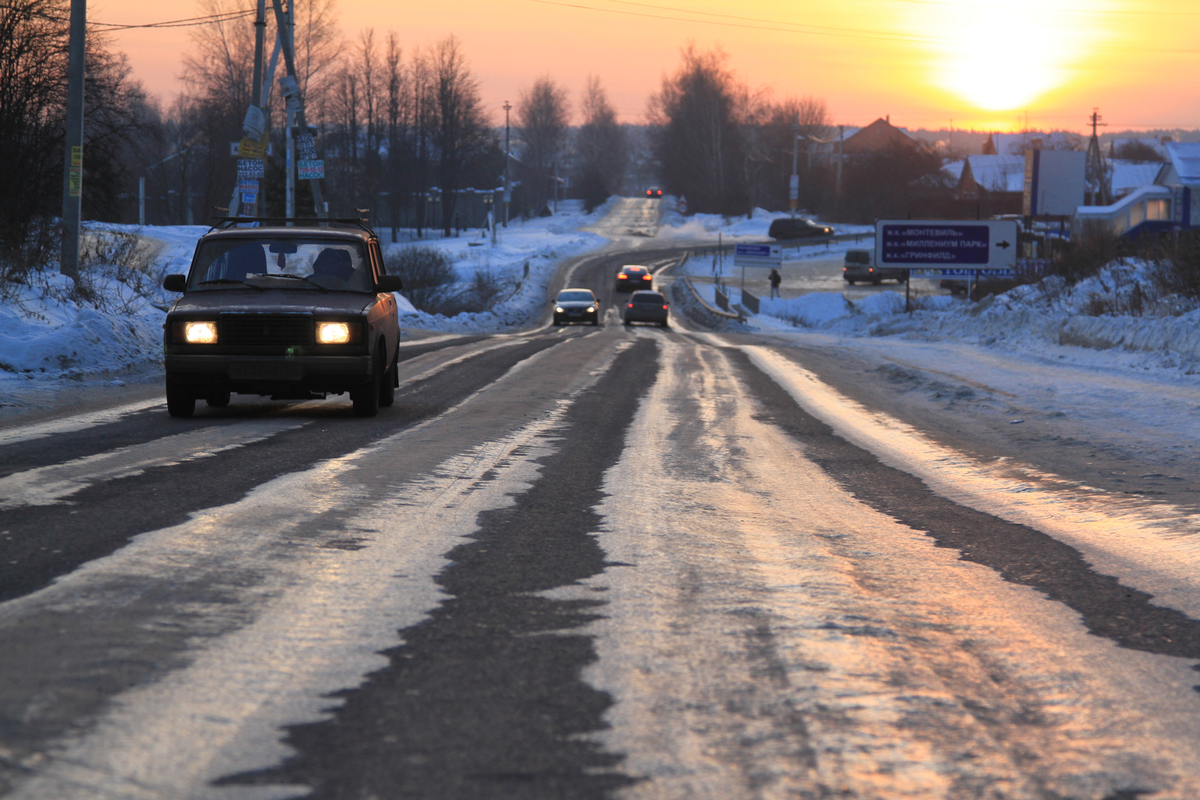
(601, 148)
(33, 53)
(461, 132)
(794, 129)
(542, 118)
(699, 143)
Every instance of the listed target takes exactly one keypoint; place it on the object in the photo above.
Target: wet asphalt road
(587, 562)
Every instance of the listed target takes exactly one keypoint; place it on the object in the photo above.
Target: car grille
(261, 330)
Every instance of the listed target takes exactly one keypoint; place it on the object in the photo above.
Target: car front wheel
(366, 397)
(387, 390)
(181, 402)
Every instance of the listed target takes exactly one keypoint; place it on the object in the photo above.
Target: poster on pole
(251, 168)
(311, 169)
(306, 147)
(75, 175)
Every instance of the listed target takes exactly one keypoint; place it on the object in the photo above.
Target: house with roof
(878, 137)
(1170, 203)
(988, 185)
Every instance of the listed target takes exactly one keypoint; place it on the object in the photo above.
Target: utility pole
(794, 186)
(286, 25)
(507, 158)
(73, 143)
(1097, 174)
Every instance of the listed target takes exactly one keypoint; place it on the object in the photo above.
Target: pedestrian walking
(776, 279)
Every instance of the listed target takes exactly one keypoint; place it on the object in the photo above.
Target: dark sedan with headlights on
(632, 277)
(647, 306)
(291, 313)
(576, 305)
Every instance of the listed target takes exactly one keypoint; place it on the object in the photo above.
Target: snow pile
(1149, 329)
(521, 264)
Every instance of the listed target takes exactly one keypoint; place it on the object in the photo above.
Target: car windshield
(647, 297)
(634, 270)
(575, 297)
(320, 263)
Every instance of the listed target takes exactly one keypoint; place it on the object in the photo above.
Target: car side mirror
(175, 283)
(389, 283)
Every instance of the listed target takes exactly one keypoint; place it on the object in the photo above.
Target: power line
(180, 23)
(1052, 10)
(794, 27)
(818, 30)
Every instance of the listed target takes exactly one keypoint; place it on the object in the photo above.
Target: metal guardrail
(718, 312)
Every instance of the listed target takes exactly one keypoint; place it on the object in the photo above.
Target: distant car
(797, 228)
(647, 306)
(576, 305)
(632, 277)
(654, 191)
(859, 265)
(291, 313)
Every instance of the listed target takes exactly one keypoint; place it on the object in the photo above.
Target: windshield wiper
(306, 279)
(227, 280)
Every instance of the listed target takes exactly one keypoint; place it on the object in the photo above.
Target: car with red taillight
(646, 306)
(632, 277)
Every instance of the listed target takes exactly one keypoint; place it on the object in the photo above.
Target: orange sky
(981, 63)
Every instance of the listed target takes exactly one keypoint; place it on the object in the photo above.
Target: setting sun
(1004, 59)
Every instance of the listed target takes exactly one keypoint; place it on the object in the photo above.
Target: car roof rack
(224, 223)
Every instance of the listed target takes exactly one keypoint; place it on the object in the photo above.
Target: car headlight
(200, 332)
(591, 309)
(558, 310)
(335, 333)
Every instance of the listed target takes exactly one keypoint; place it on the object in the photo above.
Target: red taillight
(647, 277)
(664, 308)
(629, 306)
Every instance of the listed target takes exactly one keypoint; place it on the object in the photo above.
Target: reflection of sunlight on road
(630, 216)
(765, 634)
(1150, 546)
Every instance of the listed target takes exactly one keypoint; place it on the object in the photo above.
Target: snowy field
(47, 340)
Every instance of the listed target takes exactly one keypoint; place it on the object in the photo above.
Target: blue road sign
(922, 244)
(757, 255)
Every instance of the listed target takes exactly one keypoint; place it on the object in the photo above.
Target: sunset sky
(983, 64)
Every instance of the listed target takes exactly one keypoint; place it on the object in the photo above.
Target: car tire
(219, 399)
(849, 281)
(557, 322)
(663, 324)
(595, 321)
(366, 397)
(876, 281)
(181, 401)
(387, 390)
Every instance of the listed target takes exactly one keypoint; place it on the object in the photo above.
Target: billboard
(927, 244)
(1055, 182)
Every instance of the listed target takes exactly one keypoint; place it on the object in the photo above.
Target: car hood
(273, 301)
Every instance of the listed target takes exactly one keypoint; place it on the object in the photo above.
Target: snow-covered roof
(953, 169)
(1011, 144)
(999, 173)
(1130, 175)
(1185, 159)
